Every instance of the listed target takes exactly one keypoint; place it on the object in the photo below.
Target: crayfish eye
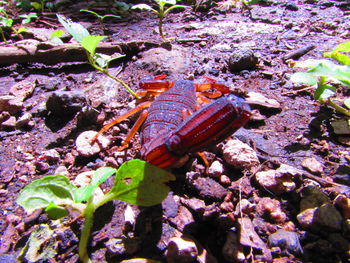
(173, 143)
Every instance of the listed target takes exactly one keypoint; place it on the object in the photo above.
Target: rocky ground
(276, 191)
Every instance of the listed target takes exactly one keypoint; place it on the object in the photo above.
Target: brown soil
(204, 40)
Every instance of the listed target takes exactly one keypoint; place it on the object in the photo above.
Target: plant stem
(3, 35)
(85, 233)
(160, 27)
(121, 83)
(338, 108)
(106, 72)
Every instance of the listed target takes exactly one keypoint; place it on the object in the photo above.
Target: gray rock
(4, 116)
(11, 104)
(170, 206)
(312, 165)
(50, 155)
(274, 181)
(24, 120)
(312, 197)
(343, 204)
(23, 89)
(103, 91)
(286, 240)
(63, 103)
(181, 250)
(208, 189)
(325, 218)
(120, 246)
(159, 60)
(9, 124)
(183, 219)
(240, 155)
(242, 59)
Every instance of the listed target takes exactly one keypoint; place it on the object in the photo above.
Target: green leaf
(28, 18)
(324, 91)
(21, 30)
(173, 7)
(144, 7)
(140, 183)
(57, 33)
(333, 72)
(37, 6)
(101, 175)
(75, 29)
(110, 16)
(55, 212)
(166, 2)
(6, 22)
(304, 77)
(90, 43)
(347, 103)
(90, 12)
(102, 59)
(343, 47)
(338, 56)
(50, 189)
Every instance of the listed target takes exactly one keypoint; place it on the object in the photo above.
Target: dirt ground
(67, 97)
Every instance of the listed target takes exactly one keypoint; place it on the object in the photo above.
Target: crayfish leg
(141, 119)
(204, 159)
(138, 108)
(219, 87)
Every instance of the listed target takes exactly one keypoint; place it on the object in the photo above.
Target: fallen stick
(296, 54)
(31, 51)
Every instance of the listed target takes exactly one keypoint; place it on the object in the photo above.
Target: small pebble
(181, 250)
(216, 169)
(343, 203)
(50, 155)
(244, 207)
(4, 116)
(255, 98)
(9, 124)
(286, 240)
(275, 181)
(321, 219)
(84, 147)
(242, 59)
(224, 179)
(62, 170)
(24, 120)
(11, 104)
(271, 209)
(312, 165)
(240, 155)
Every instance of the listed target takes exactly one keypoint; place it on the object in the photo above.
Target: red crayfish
(172, 127)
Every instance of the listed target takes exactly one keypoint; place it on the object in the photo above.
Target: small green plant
(161, 12)
(136, 182)
(90, 42)
(6, 22)
(99, 17)
(326, 75)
